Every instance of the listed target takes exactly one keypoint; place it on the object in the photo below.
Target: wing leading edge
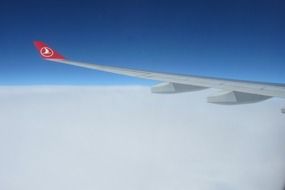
(235, 90)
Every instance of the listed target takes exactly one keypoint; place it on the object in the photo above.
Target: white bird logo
(46, 52)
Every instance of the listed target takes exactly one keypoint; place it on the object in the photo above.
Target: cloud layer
(127, 138)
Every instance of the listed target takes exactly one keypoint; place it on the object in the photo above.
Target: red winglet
(47, 52)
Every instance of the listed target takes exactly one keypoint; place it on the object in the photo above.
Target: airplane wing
(234, 91)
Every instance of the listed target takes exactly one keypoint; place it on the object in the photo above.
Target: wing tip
(47, 52)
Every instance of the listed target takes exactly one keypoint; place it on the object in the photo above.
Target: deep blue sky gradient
(241, 39)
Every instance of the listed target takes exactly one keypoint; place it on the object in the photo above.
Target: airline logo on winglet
(47, 52)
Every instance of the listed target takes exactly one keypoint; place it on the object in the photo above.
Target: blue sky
(241, 39)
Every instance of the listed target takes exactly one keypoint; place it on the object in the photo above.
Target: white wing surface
(235, 91)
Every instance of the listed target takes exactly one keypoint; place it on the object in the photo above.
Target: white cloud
(127, 138)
